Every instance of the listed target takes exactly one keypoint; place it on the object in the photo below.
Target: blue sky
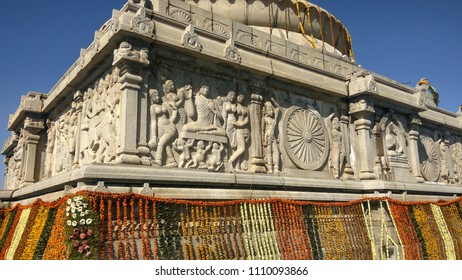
(403, 40)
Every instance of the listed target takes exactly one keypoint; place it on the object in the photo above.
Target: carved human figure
(50, 149)
(270, 135)
(207, 113)
(215, 162)
(242, 133)
(198, 159)
(393, 144)
(337, 148)
(229, 117)
(444, 171)
(183, 147)
(162, 130)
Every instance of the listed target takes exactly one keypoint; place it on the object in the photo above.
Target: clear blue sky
(404, 40)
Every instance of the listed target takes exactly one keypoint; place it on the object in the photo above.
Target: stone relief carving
(393, 141)
(306, 140)
(15, 175)
(50, 149)
(231, 52)
(241, 139)
(270, 135)
(100, 121)
(162, 130)
(456, 155)
(180, 14)
(362, 82)
(142, 24)
(444, 170)
(429, 159)
(126, 51)
(191, 40)
(337, 148)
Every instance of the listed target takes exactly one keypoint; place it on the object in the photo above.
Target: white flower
(73, 204)
(74, 215)
(74, 223)
(87, 212)
(89, 221)
(69, 201)
(73, 210)
(78, 198)
(69, 222)
(85, 205)
(82, 214)
(68, 208)
(78, 203)
(67, 214)
(82, 222)
(80, 209)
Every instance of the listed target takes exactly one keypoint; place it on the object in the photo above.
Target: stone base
(401, 171)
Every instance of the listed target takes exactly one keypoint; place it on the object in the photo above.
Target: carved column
(257, 162)
(32, 127)
(78, 105)
(415, 123)
(131, 63)
(143, 149)
(363, 112)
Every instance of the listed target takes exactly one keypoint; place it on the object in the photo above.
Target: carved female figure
(229, 117)
(242, 132)
(337, 148)
(270, 138)
(162, 129)
(392, 141)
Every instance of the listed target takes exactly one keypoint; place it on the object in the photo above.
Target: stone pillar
(257, 162)
(78, 105)
(415, 123)
(363, 112)
(131, 63)
(344, 127)
(32, 127)
(143, 149)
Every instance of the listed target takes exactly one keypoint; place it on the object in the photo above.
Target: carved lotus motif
(306, 140)
(429, 159)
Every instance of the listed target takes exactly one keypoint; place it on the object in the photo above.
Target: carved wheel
(429, 159)
(306, 141)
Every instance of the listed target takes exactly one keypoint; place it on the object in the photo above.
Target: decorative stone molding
(415, 123)
(231, 52)
(143, 25)
(362, 82)
(191, 40)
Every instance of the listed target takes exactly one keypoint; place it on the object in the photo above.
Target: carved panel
(216, 27)
(306, 139)
(247, 38)
(429, 159)
(180, 14)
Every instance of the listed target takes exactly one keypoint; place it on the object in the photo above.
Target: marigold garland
(43, 240)
(444, 231)
(27, 229)
(19, 230)
(6, 241)
(36, 229)
(55, 248)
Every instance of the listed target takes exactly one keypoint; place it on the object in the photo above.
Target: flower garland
(154, 229)
(454, 223)
(36, 228)
(18, 234)
(101, 226)
(56, 248)
(413, 248)
(132, 227)
(125, 229)
(370, 230)
(6, 226)
(43, 240)
(82, 229)
(120, 249)
(27, 229)
(311, 225)
(400, 245)
(8, 237)
(444, 231)
(110, 241)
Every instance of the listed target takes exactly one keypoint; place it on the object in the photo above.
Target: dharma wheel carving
(429, 159)
(306, 140)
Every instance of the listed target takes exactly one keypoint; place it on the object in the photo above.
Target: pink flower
(76, 243)
(90, 232)
(87, 247)
(85, 243)
(88, 253)
(80, 250)
(76, 230)
(82, 235)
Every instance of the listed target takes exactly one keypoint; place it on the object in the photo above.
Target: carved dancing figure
(242, 133)
(270, 135)
(337, 148)
(215, 162)
(444, 171)
(184, 148)
(50, 148)
(229, 117)
(197, 160)
(162, 130)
